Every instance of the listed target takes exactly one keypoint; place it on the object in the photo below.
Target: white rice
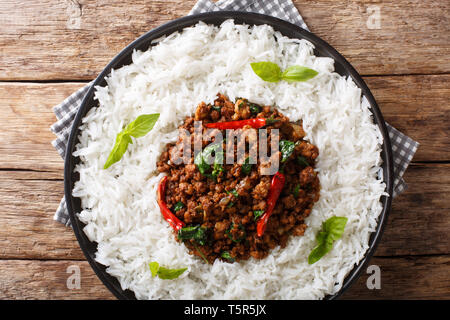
(183, 69)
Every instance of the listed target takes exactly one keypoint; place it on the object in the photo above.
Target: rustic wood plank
(422, 277)
(418, 224)
(29, 201)
(80, 37)
(401, 278)
(420, 216)
(26, 118)
(416, 105)
(35, 279)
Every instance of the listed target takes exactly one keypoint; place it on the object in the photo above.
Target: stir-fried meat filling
(221, 206)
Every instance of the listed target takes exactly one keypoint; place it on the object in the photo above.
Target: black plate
(143, 43)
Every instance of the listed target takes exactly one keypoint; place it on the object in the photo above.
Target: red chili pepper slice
(276, 186)
(174, 222)
(238, 124)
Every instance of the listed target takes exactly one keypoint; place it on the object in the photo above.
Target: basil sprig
(165, 273)
(203, 158)
(246, 166)
(286, 148)
(138, 128)
(226, 255)
(271, 72)
(257, 214)
(197, 233)
(332, 230)
(296, 190)
(178, 206)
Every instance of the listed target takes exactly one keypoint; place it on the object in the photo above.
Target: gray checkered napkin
(403, 147)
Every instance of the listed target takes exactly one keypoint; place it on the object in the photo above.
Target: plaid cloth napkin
(403, 147)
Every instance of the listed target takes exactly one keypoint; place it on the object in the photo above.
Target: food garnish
(174, 222)
(138, 128)
(271, 72)
(197, 233)
(202, 159)
(276, 186)
(165, 273)
(256, 123)
(332, 230)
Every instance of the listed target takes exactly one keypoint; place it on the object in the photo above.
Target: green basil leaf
(318, 252)
(226, 255)
(165, 273)
(201, 164)
(203, 159)
(142, 125)
(138, 128)
(258, 213)
(298, 73)
(228, 233)
(334, 227)
(197, 233)
(217, 108)
(154, 267)
(286, 148)
(233, 192)
(246, 166)
(178, 206)
(268, 71)
(120, 147)
(332, 230)
(296, 190)
(254, 108)
(169, 274)
(302, 161)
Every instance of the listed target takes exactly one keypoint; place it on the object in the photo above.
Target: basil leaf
(169, 274)
(332, 230)
(226, 255)
(302, 161)
(201, 164)
(120, 147)
(154, 267)
(197, 233)
(334, 227)
(202, 160)
(296, 190)
(165, 273)
(268, 71)
(286, 148)
(246, 166)
(233, 192)
(138, 128)
(217, 108)
(257, 214)
(298, 73)
(178, 206)
(254, 108)
(142, 125)
(228, 233)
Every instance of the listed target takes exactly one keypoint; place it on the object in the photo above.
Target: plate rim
(111, 282)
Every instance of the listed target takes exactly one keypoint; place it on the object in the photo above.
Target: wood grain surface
(50, 48)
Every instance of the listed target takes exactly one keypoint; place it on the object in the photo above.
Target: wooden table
(50, 48)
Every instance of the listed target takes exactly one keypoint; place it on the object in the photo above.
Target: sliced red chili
(276, 186)
(238, 124)
(174, 222)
